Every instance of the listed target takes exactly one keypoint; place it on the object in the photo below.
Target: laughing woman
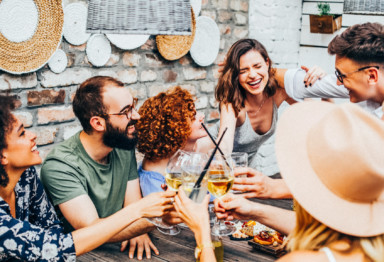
(249, 98)
(29, 227)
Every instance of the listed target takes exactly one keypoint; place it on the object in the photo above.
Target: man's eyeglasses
(341, 76)
(127, 112)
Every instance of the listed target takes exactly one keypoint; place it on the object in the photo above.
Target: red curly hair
(165, 123)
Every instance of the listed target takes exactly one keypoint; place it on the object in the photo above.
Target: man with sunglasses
(359, 73)
(93, 174)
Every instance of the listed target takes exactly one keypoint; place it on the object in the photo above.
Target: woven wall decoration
(30, 33)
(127, 42)
(172, 47)
(58, 61)
(98, 50)
(147, 17)
(75, 24)
(205, 47)
(364, 7)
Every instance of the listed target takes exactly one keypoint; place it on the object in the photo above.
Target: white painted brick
(213, 102)
(25, 117)
(148, 76)
(71, 130)
(8, 81)
(107, 72)
(70, 76)
(157, 88)
(138, 91)
(190, 88)
(207, 87)
(240, 19)
(128, 76)
(201, 102)
(191, 73)
(45, 135)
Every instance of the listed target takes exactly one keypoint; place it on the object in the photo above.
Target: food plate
(276, 251)
(263, 238)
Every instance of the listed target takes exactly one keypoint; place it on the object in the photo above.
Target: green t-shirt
(68, 172)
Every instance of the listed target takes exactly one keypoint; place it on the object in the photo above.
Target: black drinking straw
(214, 142)
(198, 182)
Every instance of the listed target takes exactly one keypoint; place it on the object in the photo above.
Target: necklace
(262, 103)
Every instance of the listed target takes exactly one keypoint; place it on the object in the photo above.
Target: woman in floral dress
(29, 227)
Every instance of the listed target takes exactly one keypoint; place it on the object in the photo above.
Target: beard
(116, 138)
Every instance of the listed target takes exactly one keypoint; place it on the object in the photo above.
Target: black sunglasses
(341, 76)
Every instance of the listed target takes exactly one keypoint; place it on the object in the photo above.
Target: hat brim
(352, 218)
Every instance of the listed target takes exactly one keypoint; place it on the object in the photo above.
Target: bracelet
(200, 248)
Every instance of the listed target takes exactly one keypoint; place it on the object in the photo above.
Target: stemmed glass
(173, 179)
(239, 159)
(220, 182)
(192, 169)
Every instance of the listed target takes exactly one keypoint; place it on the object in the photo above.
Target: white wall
(276, 24)
(313, 46)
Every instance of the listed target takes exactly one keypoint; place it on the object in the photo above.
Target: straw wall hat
(30, 33)
(173, 47)
(332, 159)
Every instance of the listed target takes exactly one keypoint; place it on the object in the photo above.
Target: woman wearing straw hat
(29, 227)
(336, 175)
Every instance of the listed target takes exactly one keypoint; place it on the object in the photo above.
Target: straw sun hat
(332, 159)
(30, 33)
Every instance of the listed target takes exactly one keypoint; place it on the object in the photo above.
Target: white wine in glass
(219, 185)
(220, 182)
(173, 180)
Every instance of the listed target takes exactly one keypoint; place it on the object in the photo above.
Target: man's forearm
(280, 189)
(280, 219)
(137, 228)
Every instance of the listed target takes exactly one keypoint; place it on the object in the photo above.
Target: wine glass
(239, 159)
(173, 180)
(220, 181)
(192, 169)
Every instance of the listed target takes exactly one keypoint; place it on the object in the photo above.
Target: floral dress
(35, 234)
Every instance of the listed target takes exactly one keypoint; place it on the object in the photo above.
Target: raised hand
(156, 204)
(234, 207)
(195, 215)
(313, 74)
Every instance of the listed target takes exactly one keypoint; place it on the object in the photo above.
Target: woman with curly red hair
(168, 122)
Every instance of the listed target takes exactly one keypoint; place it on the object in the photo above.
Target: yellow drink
(219, 185)
(219, 251)
(173, 180)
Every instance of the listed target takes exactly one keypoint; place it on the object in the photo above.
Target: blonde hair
(311, 234)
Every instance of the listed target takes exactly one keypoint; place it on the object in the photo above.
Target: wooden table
(181, 247)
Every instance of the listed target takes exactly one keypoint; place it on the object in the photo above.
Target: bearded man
(93, 174)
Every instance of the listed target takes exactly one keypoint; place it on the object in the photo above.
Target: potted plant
(325, 22)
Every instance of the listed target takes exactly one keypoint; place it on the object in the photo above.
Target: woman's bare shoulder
(298, 256)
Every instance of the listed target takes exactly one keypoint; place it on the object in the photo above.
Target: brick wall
(45, 97)
(276, 24)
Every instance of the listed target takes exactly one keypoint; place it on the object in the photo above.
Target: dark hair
(228, 89)
(7, 104)
(362, 43)
(165, 123)
(88, 100)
